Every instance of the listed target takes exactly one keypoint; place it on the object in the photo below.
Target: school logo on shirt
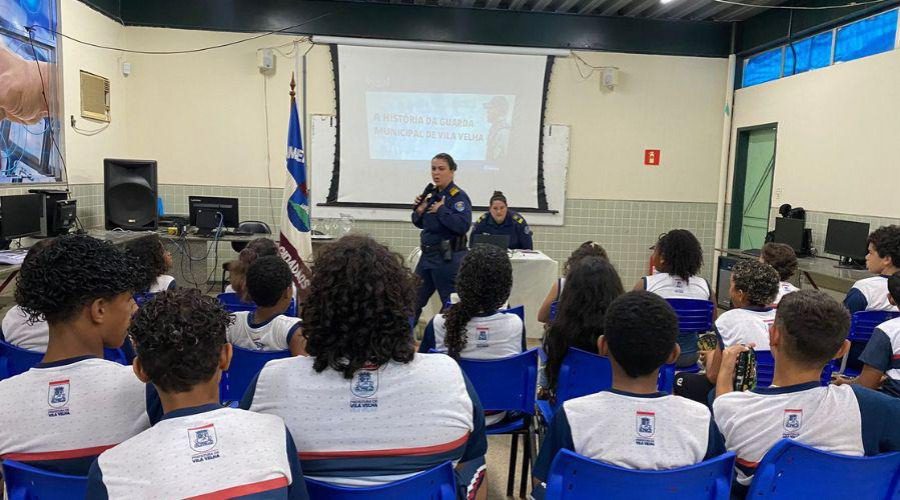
(679, 285)
(645, 423)
(203, 441)
(482, 336)
(791, 422)
(363, 387)
(58, 398)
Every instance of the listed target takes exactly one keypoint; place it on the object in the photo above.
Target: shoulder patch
(482, 218)
(527, 229)
(460, 206)
(454, 191)
(518, 218)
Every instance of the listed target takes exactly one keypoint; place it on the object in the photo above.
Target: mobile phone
(707, 342)
(745, 371)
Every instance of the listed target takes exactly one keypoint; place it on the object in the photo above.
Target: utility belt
(446, 247)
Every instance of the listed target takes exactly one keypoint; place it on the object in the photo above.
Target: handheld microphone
(428, 190)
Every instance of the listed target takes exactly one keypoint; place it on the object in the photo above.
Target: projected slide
(412, 126)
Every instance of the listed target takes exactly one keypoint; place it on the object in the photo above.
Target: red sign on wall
(651, 157)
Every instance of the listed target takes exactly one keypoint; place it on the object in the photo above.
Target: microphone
(428, 190)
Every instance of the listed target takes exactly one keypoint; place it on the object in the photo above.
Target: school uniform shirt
(385, 424)
(745, 325)
(634, 431)
(163, 282)
(669, 286)
(882, 352)
(869, 294)
(59, 416)
(206, 451)
(784, 288)
(272, 335)
(491, 336)
(17, 330)
(846, 419)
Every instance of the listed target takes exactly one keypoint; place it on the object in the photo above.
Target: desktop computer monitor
(228, 207)
(847, 239)
(790, 232)
(20, 215)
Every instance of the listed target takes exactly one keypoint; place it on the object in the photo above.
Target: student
(586, 249)
(592, 285)
(883, 259)
(810, 330)
(633, 425)
(678, 257)
(62, 413)
(784, 260)
(365, 408)
(154, 262)
(18, 328)
(881, 357)
(754, 286)
(237, 269)
(198, 448)
(269, 284)
(473, 327)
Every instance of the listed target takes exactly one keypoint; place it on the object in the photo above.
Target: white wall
(837, 127)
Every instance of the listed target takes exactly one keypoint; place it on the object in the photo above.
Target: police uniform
(513, 226)
(443, 243)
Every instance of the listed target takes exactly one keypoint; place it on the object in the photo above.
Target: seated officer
(503, 221)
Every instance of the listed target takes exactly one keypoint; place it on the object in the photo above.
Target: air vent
(94, 97)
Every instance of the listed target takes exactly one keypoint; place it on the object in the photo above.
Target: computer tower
(59, 212)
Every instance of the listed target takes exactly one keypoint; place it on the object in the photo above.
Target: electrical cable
(791, 7)
(593, 68)
(37, 65)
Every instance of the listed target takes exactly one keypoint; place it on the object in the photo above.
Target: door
(751, 196)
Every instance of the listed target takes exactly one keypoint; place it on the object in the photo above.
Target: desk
(818, 271)
(533, 275)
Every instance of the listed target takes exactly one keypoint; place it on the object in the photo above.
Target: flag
(294, 240)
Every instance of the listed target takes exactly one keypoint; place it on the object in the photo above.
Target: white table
(533, 275)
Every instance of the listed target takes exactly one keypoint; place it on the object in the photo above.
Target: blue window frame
(812, 53)
(763, 68)
(866, 37)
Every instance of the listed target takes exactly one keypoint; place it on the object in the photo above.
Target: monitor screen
(790, 232)
(847, 238)
(228, 207)
(20, 215)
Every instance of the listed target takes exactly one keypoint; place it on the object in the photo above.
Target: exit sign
(651, 157)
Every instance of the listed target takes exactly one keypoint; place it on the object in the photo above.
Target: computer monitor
(790, 232)
(20, 215)
(847, 239)
(228, 207)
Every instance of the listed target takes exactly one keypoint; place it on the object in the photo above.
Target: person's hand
(21, 93)
(724, 383)
(838, 379)
(420, 203)
(436, 206)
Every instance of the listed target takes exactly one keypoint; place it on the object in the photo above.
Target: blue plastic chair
(862, 326)
(666, 381)
(15, 360)
(792, 470)
(509, 384)
(438, 483)
(232, 303)
(520, 312)
(24, 482)
(245, 364)
(580, 374)
(765, 370)
(695, 316)
(142, 298)
(574, 477)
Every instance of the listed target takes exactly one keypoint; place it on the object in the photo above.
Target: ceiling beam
(638, 7)
(678, 9)
(710, 10)
(567, 5)
(491, 4)
(745, 12)
(614, 8)
(540, 5)
(517, 4)
(590, 6)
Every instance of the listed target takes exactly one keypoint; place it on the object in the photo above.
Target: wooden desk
(820, 272)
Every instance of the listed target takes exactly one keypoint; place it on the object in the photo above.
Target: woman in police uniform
(444, 215)
(500, 220)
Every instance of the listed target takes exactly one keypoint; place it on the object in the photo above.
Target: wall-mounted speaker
(130, 194)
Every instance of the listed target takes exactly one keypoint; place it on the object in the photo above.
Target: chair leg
(526, 462)
(513, 453)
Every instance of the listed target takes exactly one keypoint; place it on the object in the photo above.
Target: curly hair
(358, 311)
(781, 257)
(641, 329)
(591, 286)
(267, 279)
(483, 284)
(757, 279)
(150, 257)
(681, 253)
(259, 247)
(178, 336)
(813, 326)
(58, 281)
(38, 246)
(886, 240)
(894, 286)
(586, 249)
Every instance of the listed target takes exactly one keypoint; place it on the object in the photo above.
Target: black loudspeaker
(130, 194)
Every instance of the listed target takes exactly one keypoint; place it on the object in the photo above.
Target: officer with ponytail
(502, 221)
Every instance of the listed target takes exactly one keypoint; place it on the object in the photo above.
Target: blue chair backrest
(582, 373)
(143, 297)
(24, 482)
(694, 315)
(505, 384)
(520, 312)
(863, 323)
(15, 360)
(554, 308)
(438, 483)
(232, 303)
(765, 369)
(574, 477)
(666, 380)
(792, 470)
(245, 364)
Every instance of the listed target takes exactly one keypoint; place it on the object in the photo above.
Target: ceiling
(693, 10)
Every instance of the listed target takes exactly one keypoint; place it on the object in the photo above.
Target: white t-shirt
(163, 282)
(18, 332)
(498, 335)
(745, 325)
(272, 335)
(669, 286)
(784, 288)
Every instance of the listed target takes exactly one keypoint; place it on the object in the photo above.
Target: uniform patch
(454, 190)
(482, 336)
(363, 388)
(460, 206)
(645, 428)
(527, 230)
(58, 398)
(203, 441)
(792, 421)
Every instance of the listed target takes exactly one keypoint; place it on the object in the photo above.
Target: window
(866, 37)
(763, 67)
(812, 53)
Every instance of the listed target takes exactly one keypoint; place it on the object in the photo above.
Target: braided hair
(483, 284)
